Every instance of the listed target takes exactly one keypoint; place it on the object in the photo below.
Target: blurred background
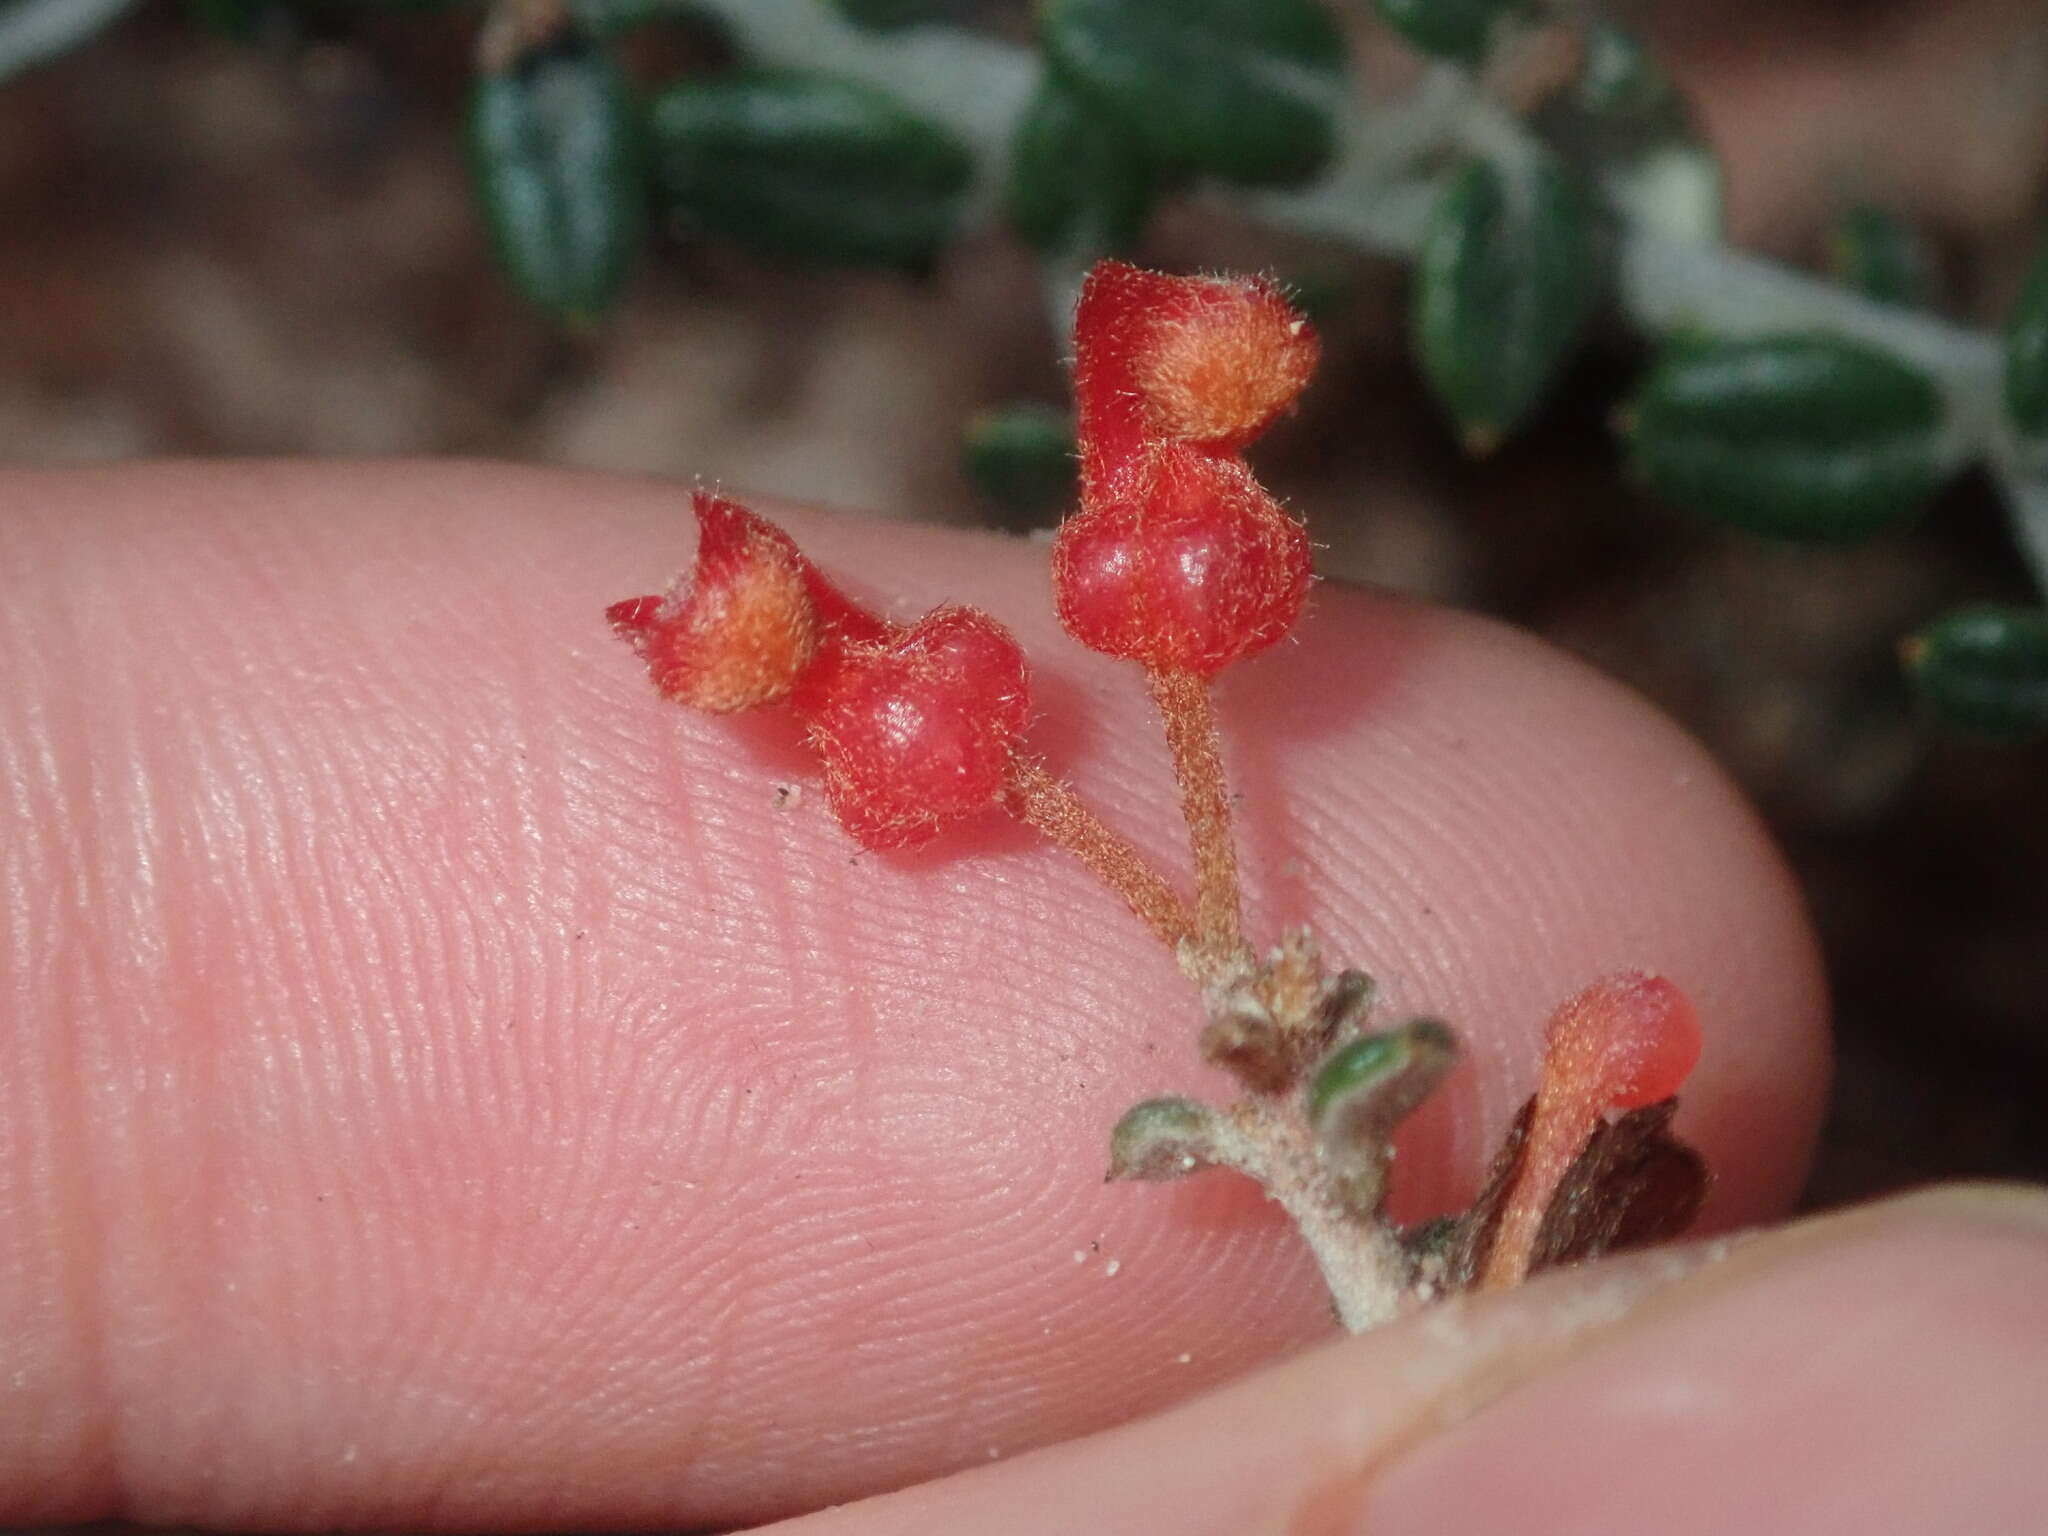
(270, 247)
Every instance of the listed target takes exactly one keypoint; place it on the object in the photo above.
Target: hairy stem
(1361, 1260)
(1190, 716)
(1050, 805)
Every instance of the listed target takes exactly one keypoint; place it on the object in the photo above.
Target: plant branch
(1050, 806)
(1190, 717)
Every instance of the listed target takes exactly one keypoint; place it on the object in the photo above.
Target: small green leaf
(1984, 670)
(34, 32)
(1386, 1074)
(1021, 457)
(1362, 1090)
(239, 21)
(1620, 79)
(1806, 437)
(1238, 89)
(1078, 181)
(1631, 134)
(1881, 256)
(555, 154)
(807, 168)
(1459, 30)
(2026, 354)
(887, 15)
(616, 18)
(1503, 285)
(1164, 1139)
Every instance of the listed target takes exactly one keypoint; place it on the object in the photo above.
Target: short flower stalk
(1178, 560)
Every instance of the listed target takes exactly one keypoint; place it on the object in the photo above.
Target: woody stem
(1190, 717)
(1050, 805)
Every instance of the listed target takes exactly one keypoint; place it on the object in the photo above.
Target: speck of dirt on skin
(1112, 1267)
(1185, 1359)
(1080, 1255)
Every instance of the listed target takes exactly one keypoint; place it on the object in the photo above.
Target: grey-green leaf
(555, 154)
(1503, 285)
(34, 32)
(1021, 457)
(1365, 1088)
(1078, 180)
(1806, 437)
(806, 168)
(1242, 90)
(1458, 30)
(1984, 670)
(2026, 354)
(1164, 1139)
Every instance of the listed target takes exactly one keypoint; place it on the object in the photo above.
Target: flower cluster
(916, 725)
(1179, 560)
(1178, 557)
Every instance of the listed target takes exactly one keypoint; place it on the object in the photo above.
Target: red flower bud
(1626, 1041)
(1204, 360)
(746, 622)
(1190, 565)
(918, 731)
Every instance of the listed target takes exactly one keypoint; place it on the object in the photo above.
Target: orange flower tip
(738, 629)
(1210, 361)
(920, 731)
(1219, 366)
(1628, 1040)
(1192, 567)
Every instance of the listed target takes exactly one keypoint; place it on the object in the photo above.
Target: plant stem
(1190, 717)
(1361, 1260)
(1050, 805)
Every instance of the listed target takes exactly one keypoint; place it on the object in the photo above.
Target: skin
(443, 1086)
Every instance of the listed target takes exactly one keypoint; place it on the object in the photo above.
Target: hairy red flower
(1190, 566)
(920, 730)
(1209, 361)
(743, 625)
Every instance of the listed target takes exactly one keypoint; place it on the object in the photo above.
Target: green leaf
(1164, 1139)
(239, 21)
(1632, 135)
(616, 18)
(1459, 30)
(1078, 181)
(1021, 457)
(1503, 285)
(2026, 354)
(34, 32)
(1621, 81)
(807, 168)
(1806, 437)
(1362, 1091)
(887, 15)
(1984, 670)
(1237, 89)
(555, 155)
(1881, 256)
